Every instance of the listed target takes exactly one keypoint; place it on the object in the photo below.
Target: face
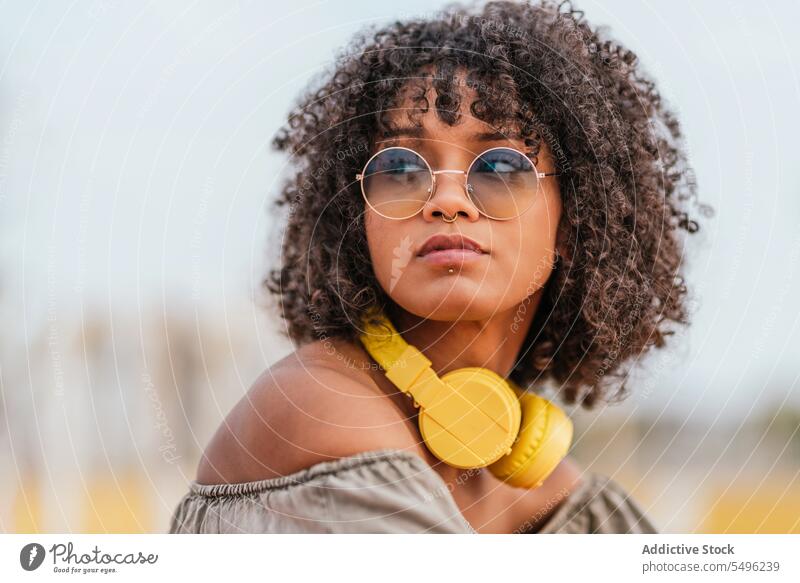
(515, 256)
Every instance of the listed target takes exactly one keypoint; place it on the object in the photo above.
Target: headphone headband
(408, 368)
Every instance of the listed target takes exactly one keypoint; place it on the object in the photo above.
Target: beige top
(381, 491)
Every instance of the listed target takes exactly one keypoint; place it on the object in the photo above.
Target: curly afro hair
(624, 180)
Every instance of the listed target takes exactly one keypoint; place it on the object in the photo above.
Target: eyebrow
(417, 132)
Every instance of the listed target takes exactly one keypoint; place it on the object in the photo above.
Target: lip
(452, 249)
(454, 242)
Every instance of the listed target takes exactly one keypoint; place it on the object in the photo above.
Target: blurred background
(135, 227)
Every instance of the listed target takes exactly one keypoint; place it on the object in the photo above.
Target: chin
(451, 306)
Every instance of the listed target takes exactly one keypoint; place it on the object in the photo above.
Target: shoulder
(310, 407)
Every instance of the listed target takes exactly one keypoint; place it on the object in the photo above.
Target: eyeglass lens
(501, 182)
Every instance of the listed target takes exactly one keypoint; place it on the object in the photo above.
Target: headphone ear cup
(474, 422)
(544, 440)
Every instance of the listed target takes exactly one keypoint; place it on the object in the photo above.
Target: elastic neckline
(307, 474)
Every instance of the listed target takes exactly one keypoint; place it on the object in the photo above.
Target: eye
(396, 162)
(503, 161)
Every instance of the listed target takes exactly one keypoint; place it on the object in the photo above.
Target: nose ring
(449, 220)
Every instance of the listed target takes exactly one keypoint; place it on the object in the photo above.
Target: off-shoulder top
(382, 491)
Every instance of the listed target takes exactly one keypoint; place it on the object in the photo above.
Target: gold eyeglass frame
(432, 189)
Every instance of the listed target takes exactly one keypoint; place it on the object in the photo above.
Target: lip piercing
(450, 270)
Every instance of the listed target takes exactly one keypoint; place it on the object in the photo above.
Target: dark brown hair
(541, 67)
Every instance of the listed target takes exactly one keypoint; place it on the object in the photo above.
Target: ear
(561, 241)
(561, 253)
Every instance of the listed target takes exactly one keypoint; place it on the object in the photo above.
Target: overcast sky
(134, 159)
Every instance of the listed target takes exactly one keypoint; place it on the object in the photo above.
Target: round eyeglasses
(501, 182)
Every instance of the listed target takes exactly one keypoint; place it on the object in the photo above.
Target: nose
(449, 198)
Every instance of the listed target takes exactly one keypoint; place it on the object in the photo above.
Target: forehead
(415, 116)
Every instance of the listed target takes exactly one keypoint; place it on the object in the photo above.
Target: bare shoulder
(311, 406)
(567, 476)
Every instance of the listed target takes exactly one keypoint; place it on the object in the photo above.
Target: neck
(492, 343)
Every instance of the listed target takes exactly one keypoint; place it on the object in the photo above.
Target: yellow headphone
(472, 417)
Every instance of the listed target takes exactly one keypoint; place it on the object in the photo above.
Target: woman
(505, 188)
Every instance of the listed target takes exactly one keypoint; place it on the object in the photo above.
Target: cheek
(390, 247)
(530, 248)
